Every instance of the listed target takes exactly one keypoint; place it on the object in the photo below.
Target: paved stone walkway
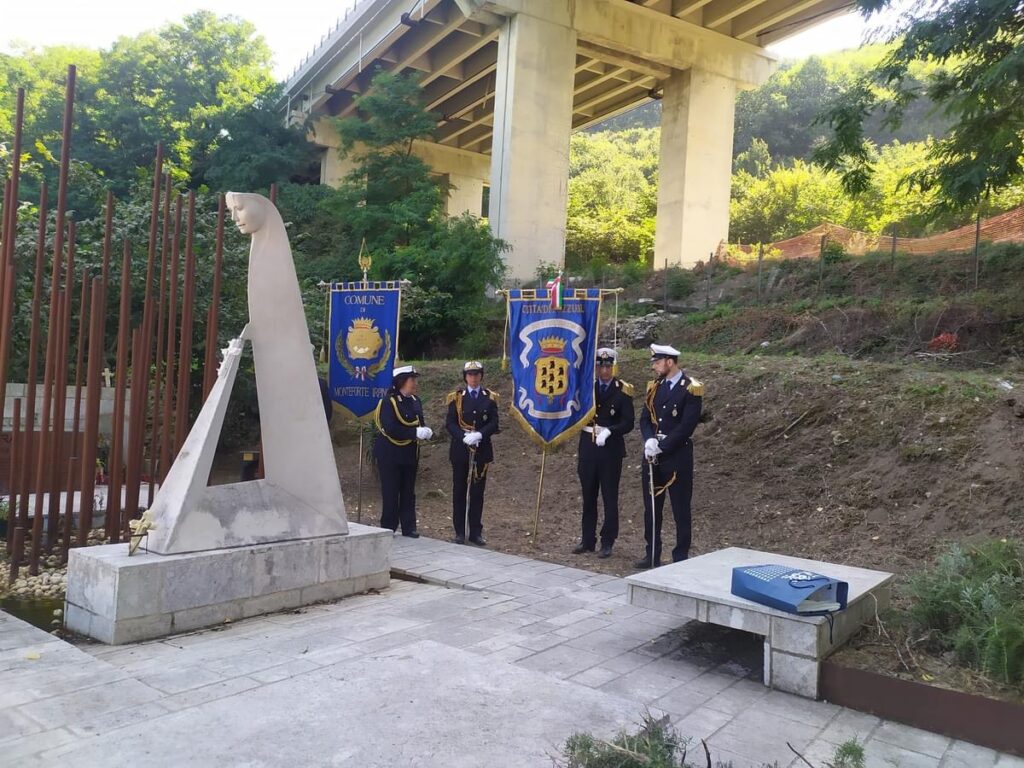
(494, 661)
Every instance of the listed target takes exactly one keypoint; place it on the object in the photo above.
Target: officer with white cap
(471, 421)
(672, 410)
(399, 418)
(601, 450)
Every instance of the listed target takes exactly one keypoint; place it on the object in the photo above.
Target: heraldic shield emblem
(364, 337)
(552, 354)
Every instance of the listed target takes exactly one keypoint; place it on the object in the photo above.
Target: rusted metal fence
(51, 469)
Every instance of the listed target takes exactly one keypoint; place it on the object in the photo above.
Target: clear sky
(291, 31)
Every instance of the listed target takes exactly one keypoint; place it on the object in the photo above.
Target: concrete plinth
(116, 599)
(700, 589)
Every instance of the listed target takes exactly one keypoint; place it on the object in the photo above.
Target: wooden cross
(107, 373)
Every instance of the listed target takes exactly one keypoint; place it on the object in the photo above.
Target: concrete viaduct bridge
(512, 79)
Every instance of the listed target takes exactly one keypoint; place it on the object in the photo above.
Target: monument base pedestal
(119, 599)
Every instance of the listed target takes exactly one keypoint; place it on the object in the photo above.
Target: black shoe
(458, 540)
(411, 534)
(480, 541)
(644, 563)
(582, 548)
(606, 551)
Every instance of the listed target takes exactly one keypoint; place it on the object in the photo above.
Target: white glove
(424, 433)
(601, 435)
(472, 439)
(651, 448)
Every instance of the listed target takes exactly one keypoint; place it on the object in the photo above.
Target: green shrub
(972, 602)
(680, 282)
(658, 745)
(633, 272)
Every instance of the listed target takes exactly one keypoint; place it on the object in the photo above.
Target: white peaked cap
(663, 350)
(404, 370)
(606, 352)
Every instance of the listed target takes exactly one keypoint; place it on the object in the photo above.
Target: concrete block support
(694, 168)
(530, 150)
(118, 599)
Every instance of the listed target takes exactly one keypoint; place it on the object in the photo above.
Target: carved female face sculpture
(246, 211)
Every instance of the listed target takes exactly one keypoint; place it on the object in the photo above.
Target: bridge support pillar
(530, 150)
(694, 168)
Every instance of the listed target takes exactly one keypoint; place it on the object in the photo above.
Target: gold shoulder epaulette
(651, 385)
(492, 394)
(627, 388)
(451, 397)
(695, 388)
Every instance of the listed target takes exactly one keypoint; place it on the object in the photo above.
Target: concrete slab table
(794, 646)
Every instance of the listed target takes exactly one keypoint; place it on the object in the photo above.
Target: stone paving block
(561, 661)
(541, 642)
(106, 722)
(850, 724)
(739, 697)
(70, 708)
(700, 724)
(594, 677)
(1009, 761)
(207, 693)
(16, 752)
(604, 642)
(881, 754)
(792, 707)
(963, 755)
(711, 682)
(682, 701)
(13, 723)
(913, 739)
(642, 685)
(180, 679)
(579, 628)
(759, 734)
(626, 662)
(511, 654)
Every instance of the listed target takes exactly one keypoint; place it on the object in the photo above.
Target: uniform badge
(675, 412)
(612, 411)
(485, 417)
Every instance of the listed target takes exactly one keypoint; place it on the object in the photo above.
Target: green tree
(391, 199)
(980, 45)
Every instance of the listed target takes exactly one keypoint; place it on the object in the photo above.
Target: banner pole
(359, 479)
(540, 491)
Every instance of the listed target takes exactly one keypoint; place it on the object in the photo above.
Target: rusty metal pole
(28, 479)
(60, 394)
(134, 458)
(76, 442)
(154, 435)
(172, 358)
(185, 343)
(10, 240)
(140, 363)
(97, 320)
(212, 324)
(12, 499)
(116, 458)
(108, 236)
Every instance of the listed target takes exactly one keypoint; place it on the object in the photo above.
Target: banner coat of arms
(363, 343)
(552, 355)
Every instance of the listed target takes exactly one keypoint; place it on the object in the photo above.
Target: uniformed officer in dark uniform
(671, 412)
(601, 450)
(399, 418)
(471, 421)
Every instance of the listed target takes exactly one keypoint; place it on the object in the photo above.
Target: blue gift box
(790, 589)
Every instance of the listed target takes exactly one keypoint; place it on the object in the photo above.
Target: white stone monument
(225, 552)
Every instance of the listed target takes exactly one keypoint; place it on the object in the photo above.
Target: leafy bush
(972, 602)
(681, 282)
(658, 745)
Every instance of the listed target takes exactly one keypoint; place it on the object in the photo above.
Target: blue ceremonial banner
(363, 343)
(552, 355)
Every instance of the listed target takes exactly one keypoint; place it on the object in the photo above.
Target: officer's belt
(589, 429)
